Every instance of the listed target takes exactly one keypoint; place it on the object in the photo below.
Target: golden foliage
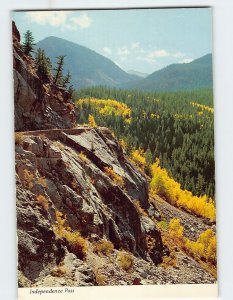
(91, 121)
(176, 230)
(165, 186)
(100, 278)
(28, 178)
(82, 156)
(125, 260)
(169, 261)
(42, 181)
(117, 179)
(123, 144)
(76, 242)
(19, 137)
(202, 107)
(203, 250)
(108, 107)
(151, 244)
(43, 201)
(59, 271)
(104, 247)
(205, 246)
(138, 157)
(139, 209)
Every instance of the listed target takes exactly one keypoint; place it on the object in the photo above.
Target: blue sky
(144, 40)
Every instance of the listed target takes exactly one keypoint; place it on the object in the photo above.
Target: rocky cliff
(38, 104)
(84, 216)
(75, 172)
(72, 180)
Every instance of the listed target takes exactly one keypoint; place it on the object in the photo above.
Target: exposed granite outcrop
(39, 104)
(76, 183)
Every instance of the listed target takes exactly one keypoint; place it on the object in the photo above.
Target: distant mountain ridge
(187, 76)
(140, 74)
(87, 67)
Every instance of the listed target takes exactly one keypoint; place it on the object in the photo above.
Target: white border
(223, 78)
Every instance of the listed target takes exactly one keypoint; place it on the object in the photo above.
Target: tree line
(168, 126)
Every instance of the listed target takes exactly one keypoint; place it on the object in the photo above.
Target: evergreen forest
(175, 127)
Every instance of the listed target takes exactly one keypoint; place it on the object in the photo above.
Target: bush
(19, 137)
(163, 225)
(176, 230)
(205, 246)
(169, 261)
(77, 244)
(104, 247)
(100, 278)
(59, 271)
(125, 260)
(42, 181)
(139, 209)
(117, 179)
(165, 186)
(82, 156)
(43, 201)
(138, 157)
(91, 121)
(28, 179)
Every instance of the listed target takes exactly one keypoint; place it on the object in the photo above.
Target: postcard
(114, 152)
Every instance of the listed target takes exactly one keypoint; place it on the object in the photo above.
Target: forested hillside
(125, 204)
(178, 77)
(175, 127)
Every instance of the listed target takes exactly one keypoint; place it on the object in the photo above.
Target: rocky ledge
(39, 104)
(84, 175)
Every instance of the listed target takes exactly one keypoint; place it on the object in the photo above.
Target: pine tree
(66, 79)
(43, 63)
(59, 69)
(28, 44)
(71, 91)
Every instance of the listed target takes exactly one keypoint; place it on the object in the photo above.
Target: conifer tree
(66, 79)
(28, 43)
(71, 91)
(59, 69)
(43, 63)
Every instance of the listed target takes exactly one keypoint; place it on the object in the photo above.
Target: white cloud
(107, 50)
(123, 51)
(135, 45)
(186, 60)
(83, 21)
(123, 58)
(53, 18)
(146, 58)
(178, 54)
(158, 54)
(59, 19)
(152, 56)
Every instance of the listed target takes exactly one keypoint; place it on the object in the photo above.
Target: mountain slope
(87, 67)
(175, 77)
(139, 74)
(84, 212)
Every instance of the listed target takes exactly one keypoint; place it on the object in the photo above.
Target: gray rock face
(71, 173)
(38, 104)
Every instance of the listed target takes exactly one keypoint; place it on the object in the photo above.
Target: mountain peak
(87, 67)
(181, 76)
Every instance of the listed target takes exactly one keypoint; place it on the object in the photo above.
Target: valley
(113, 186)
